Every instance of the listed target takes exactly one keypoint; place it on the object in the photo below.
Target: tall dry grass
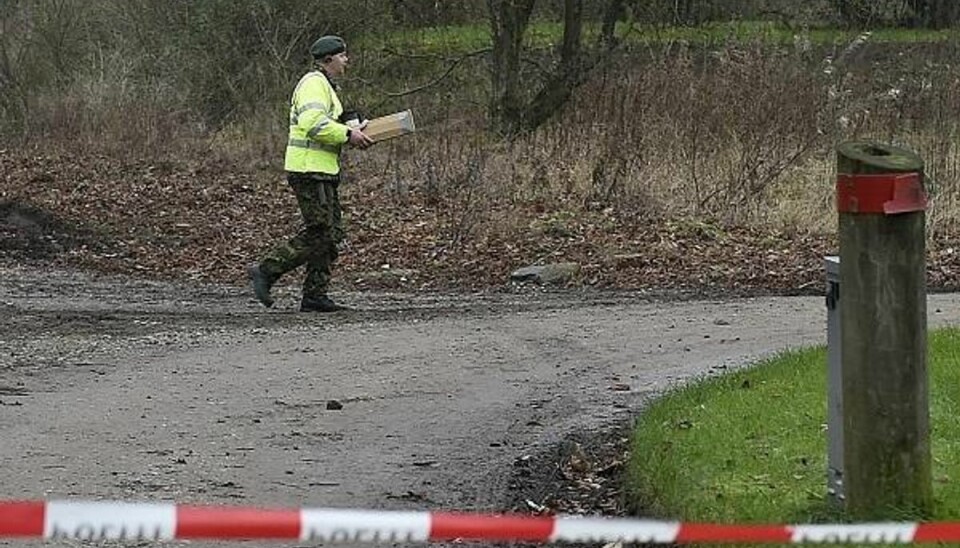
(744, 134)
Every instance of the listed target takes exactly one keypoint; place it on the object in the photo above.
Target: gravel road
(112, 388)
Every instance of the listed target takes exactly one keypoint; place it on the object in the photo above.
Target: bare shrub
(743, 134)
(450, 174)
(684, 131)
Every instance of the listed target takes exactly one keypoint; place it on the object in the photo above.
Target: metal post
(834, 385)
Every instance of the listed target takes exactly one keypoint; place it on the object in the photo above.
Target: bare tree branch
(440, 78)
(454, 63)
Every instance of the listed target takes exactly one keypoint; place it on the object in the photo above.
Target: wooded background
(590, 129)
(67, 63)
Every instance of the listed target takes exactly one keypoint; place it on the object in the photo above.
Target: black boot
(261, 285)
(320, 304)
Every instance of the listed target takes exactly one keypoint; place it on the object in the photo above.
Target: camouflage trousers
(316, 243)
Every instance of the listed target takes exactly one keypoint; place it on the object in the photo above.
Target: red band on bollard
(885, 193)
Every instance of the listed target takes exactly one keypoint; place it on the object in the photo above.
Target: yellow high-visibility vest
(315, 136)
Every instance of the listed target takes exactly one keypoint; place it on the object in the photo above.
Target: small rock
(551, 274)
(334, 405)
(388, 277)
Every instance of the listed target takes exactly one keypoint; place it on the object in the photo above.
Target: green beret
(327, 45)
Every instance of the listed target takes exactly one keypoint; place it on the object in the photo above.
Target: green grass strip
(451, 40)
(750, 447)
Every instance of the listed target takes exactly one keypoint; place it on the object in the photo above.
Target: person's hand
(358, 138)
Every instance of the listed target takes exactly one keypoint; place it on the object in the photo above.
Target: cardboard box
(390, 126)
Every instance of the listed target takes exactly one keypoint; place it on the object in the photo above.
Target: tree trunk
(935, 14)
(568, 75)
(851, 14)
(686, 12)
(614, 12)
(508, 20)
(510, 113)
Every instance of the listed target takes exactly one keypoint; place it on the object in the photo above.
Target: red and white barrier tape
(162, 522)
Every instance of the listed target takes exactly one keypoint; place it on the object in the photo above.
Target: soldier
(312, 164)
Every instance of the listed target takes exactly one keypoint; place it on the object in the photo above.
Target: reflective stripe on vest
(323, 123)
(295, 115)
(313, 145)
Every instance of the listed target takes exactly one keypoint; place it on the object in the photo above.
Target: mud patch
(13, 391)
(29, 233)
(582, 475)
